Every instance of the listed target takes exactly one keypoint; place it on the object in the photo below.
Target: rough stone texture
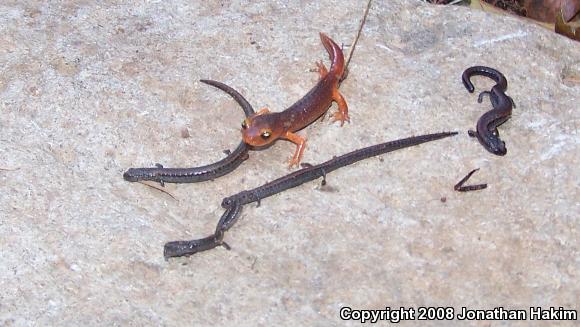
(88, 90)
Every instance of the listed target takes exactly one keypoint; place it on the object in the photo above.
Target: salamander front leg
(342, 113)
(300, 145)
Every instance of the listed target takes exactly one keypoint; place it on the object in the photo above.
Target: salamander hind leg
(322, 71)
(342, 113)
(300, 145)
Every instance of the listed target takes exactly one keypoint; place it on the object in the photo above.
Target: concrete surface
(88, 90)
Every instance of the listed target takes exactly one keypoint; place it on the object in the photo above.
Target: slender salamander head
(491, 141)
(260, 129)
(134, 175)
(496, 146)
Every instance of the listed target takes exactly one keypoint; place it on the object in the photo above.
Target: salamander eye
(244, 125)
(265, 134)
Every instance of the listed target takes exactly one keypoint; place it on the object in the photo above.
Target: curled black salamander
(486, 128)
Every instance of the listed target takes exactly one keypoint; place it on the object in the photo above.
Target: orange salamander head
(259, 130)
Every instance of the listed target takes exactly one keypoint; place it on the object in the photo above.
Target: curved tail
(494, 74)
(335, 54)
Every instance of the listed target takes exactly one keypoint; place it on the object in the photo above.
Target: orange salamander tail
(335, 54)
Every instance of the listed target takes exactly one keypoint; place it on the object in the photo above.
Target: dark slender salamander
(233, 204)
(203, 173)
(460, 188)
(190, 175)
(486, 128)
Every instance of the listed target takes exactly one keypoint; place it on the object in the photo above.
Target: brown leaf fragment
(547, 10)
(540, 10)
(512, 6)
(569, 30)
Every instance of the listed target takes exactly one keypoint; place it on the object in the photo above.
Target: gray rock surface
(90, 89)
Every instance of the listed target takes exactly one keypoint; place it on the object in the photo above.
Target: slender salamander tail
(335, 54)
(431, 137)
(246, 106)
(441, 135)
(466, 79)
(492, 73)
(416, 140)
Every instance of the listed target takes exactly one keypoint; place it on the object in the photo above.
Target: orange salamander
(264, 127)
